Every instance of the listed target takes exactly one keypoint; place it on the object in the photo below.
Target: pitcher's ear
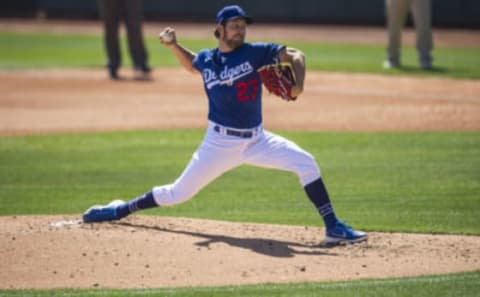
(218, 29)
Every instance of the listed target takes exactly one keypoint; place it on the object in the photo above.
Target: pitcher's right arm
(185, 56)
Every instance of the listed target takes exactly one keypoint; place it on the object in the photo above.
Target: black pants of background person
(129, 11)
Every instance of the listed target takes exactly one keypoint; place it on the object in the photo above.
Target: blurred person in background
(129, 11)
(396, 13)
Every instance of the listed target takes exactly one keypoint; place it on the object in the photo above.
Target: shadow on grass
(434, 69)
(269, 247)
(418, 71)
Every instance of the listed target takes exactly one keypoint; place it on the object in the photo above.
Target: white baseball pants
(220, 152)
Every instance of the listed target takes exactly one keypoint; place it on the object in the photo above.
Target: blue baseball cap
(232, 12)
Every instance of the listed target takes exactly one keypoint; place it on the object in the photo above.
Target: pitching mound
(145, 251)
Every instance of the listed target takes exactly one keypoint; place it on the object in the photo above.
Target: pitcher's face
(234, 33)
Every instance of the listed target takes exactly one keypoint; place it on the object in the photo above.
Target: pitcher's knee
(170, 195)
(308, 171)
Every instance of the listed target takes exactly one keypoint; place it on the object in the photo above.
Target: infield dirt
(53, 101)
(146, 251)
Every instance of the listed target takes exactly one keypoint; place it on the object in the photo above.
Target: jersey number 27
(247, 90)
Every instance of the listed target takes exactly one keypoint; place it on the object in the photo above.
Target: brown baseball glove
(279, 79)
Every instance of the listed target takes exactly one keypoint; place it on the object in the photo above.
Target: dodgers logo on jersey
(227, 76)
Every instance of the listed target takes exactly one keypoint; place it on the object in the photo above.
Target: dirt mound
(147, 251)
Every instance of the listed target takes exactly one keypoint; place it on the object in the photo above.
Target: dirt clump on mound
(43, 252)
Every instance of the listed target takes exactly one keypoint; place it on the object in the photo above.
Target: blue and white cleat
(102, 213)
(344, 234)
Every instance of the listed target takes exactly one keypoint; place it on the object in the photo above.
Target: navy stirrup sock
(318, 194)
(143, 202)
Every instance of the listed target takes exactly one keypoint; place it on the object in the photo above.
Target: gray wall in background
(446, 13)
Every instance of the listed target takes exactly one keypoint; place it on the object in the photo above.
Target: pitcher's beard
(234, 43)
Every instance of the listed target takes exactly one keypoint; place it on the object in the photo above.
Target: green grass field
(409, 182)
(35, 50)
(463, 284)
(412, 182)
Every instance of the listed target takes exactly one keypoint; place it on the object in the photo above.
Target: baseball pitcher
(233, 74)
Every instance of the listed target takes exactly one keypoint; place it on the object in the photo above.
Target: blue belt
(237, 133)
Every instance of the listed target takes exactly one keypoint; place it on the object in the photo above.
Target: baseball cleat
(102, 213)
(141, 75)
(426, 65)
(343, 234)
(390, 64)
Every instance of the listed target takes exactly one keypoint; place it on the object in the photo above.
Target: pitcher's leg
(207, 163)
(273, 151)
(197, 175)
